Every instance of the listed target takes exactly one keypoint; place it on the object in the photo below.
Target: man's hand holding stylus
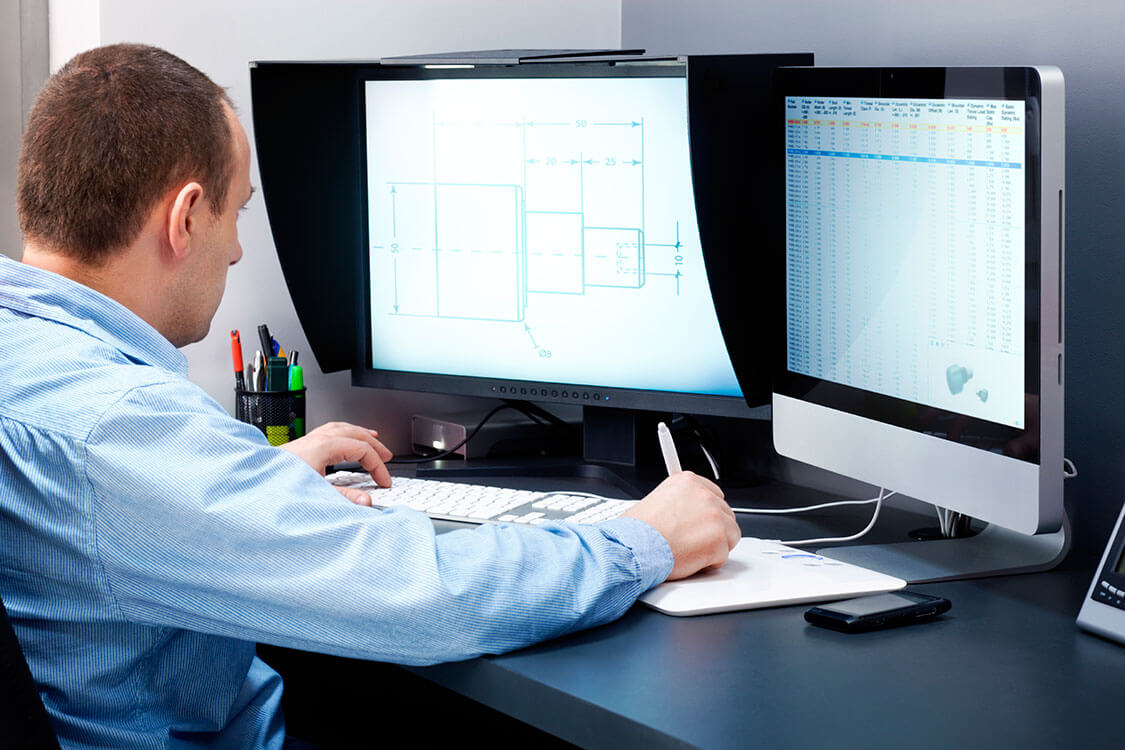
(690, 513)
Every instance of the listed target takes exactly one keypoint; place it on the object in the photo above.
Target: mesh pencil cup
(280, 415)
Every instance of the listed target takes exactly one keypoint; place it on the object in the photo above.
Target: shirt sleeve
(200, 524)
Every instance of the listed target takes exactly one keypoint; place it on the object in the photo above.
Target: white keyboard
(475, 503)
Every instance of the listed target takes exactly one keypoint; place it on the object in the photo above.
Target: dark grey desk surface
(1006, 667)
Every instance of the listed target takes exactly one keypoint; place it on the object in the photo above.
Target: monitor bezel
(985, 83)
(1025, 497)
(363, 371)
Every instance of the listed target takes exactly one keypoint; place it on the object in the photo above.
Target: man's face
(201, 286)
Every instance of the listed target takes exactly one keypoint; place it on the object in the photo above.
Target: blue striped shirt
(149, 540)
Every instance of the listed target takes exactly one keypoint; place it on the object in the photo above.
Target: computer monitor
(923, 292)
(532, 234)
(565, 229)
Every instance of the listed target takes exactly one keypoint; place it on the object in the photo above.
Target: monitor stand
(994, 551)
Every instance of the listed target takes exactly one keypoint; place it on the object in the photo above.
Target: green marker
(297, 383)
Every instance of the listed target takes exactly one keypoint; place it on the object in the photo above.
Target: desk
(1006, 667)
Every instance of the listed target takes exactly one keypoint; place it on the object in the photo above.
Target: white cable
(943, 519)
(883, 494)
(835, 503)
(710, 460)
(1070, 473)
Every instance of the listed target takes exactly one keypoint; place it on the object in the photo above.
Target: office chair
(23, 719)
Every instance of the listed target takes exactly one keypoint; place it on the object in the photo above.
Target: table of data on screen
(905, 249)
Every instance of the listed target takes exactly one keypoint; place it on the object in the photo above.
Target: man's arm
(686, 509)
(199, 524)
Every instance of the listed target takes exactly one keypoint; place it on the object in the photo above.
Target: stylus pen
(668, 448)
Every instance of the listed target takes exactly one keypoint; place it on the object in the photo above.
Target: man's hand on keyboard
(689, 511)
(337, 442)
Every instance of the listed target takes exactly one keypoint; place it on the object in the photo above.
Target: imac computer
(559, 229)
(923, 346)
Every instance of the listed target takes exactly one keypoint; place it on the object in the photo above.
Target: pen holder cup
(280, 415)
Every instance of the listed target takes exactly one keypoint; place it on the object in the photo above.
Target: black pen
(266, 339)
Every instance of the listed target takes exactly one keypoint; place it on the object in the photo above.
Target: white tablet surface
(761, 573)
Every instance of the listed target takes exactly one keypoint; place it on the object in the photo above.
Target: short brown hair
(110, 133)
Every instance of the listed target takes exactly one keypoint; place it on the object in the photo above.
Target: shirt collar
(43, 294)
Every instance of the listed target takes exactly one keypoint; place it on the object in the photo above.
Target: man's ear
(184, 219)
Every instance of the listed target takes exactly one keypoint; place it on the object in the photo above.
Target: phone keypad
(1107, 593)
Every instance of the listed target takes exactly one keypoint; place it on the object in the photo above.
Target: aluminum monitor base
(994, 551)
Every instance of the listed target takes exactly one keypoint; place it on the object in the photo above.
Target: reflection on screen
(539, 230)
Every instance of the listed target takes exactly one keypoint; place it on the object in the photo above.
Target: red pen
(236, 354)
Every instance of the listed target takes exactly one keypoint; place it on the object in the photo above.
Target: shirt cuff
(649, 547)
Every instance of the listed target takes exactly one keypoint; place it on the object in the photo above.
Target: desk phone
(1103, 610)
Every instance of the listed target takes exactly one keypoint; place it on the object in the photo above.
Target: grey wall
(1086, 39)
(23, 68)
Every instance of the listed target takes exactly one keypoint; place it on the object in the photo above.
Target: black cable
(541, 415)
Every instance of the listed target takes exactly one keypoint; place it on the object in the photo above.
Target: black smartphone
(878, 611)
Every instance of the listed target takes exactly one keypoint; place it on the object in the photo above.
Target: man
(150, 539)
